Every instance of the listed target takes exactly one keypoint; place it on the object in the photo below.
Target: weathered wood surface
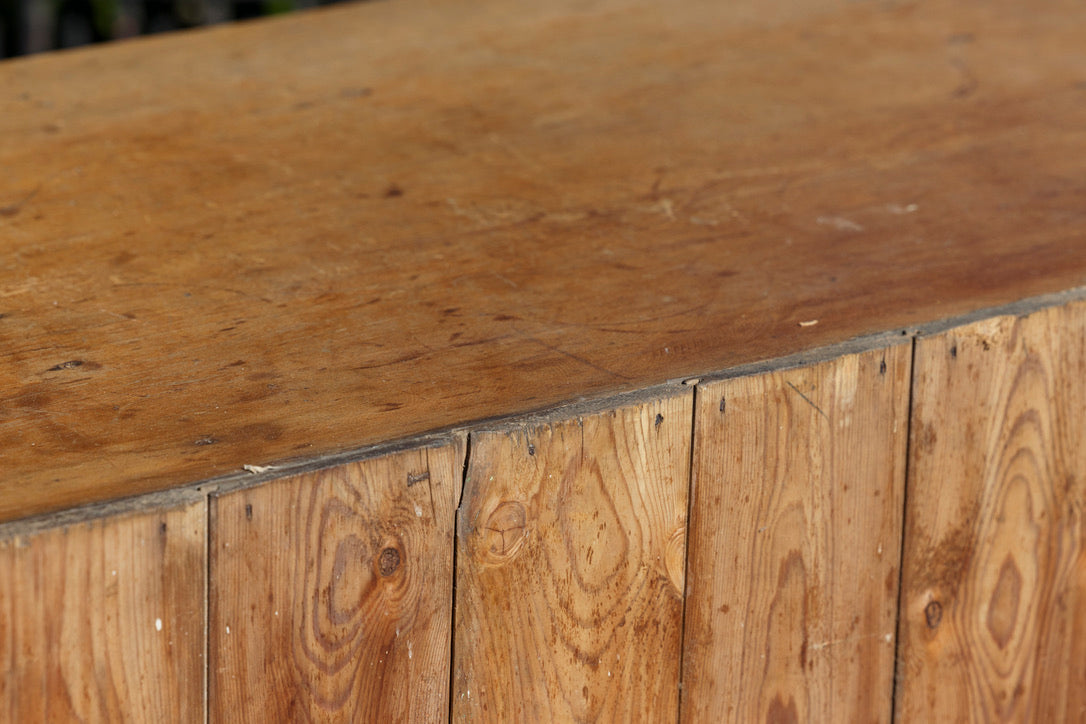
(794, 544)
(400, 216)
(104, 621)
(994, 589)
(331, 593)
(570, 568)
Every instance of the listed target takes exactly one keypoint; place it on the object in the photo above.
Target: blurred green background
(33, 26)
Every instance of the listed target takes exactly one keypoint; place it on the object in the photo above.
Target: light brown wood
(994, 588)
(795, 543)
(331, 596)
(104, 621)
(570, 568)
(283, 239)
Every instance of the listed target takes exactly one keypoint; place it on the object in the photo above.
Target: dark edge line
(455, 571)
(180, 495)
(564, 410)
(148, 502)
(207, 607)
(686, 543)
(1021, 308)
(898, 622)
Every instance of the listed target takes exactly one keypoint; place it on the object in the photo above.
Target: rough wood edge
(218, 486)
(458, 433)
(1020, 308)
(159, 500)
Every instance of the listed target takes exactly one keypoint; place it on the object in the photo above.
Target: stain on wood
(795, 541)
(503, 210)
(331, 593)
(994, 589)
(570, 568)
(104, 621)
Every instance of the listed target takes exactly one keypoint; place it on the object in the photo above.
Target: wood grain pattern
(994, 588)
(570, 568)
(331, 595)
(387, 220)
(104, 621)
(795, 543)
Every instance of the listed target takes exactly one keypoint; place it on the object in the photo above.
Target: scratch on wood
(839, 222)
(809, 401)
(15, 208)
(887, 637)
(575, 357)
(70, 364)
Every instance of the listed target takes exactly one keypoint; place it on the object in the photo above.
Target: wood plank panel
(994, 588)
(103, 621)
(570, 568)
(794, 543)
(332, 592)
(389, 221)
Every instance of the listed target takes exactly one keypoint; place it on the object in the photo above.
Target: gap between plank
(898, 663)
(455, 555)
(686, 543)
(207, 607)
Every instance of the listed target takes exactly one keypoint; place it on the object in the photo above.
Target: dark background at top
(33, 26)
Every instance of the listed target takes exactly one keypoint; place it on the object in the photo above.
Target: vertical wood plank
(994, 599)
(795, 541)
(570, 568)
(332, 592)
(103, 621)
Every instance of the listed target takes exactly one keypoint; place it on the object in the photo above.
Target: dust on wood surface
(279, 240)
(331, 592)
(794, 543)
(994, 589)
(104, 621)
(570, 568)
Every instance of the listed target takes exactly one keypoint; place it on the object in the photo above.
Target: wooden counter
(585, 361)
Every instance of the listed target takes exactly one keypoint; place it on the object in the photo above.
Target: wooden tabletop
(284, 239)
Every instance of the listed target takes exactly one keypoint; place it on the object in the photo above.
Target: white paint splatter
(158, 624)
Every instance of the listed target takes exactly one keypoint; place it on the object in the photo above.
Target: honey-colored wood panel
(570, 568)
(331, 592)
(103, 621)
(795, 541)
(994, 588)
(386, 220)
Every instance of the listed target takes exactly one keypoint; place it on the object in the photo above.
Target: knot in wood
(388, 561)
(933, 613)
(505, 528)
